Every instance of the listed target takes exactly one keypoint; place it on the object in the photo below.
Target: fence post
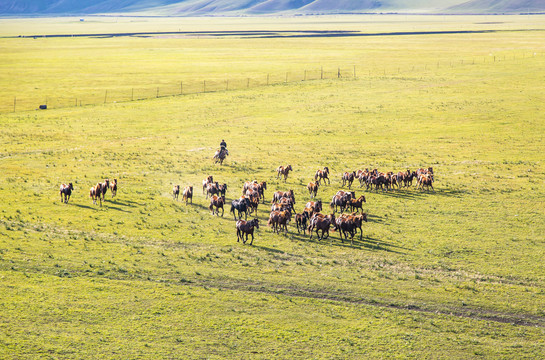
(14, 103)
(338, 73)
(204, 86)
(181, 87)
(105, 96)
(157, 93)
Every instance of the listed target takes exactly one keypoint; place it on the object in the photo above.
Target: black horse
(242, 205)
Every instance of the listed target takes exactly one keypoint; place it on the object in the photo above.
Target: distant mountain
(499, 6)
(256, 7)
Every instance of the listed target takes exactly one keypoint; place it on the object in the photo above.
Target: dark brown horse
(104, 188)
(321, 222)
(217, 202)
(220, 155)
(246, 228)
(66, 191)
(283, 171)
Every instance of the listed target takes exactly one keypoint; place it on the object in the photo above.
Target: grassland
(455, 273)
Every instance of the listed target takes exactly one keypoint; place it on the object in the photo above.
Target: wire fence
(127, 94)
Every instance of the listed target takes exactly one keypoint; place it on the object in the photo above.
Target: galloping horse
(284, 171)
(104, 187)
(175, 192)
(95, 193)
(188, 194)
(113, 187)
(217, 202)
(66, 190)
(246, 227)
(322, 174)
(220, 155)
(313, 188)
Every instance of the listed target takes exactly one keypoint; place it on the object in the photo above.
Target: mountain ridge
(265, 7)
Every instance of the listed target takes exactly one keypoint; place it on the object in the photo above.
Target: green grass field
(455, 273)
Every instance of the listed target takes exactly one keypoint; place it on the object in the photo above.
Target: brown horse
(175, 192)
(95, 193)
(66, 191)
(315, 206)
(322, 175)
(357, 203)
(104, 187)
(348, 178)
(321, 222)
(279, 220)
(188, 194)
(283, 171)
(313, 188)
(278, 195)
(113, 187)
(209, 179)
(217, 202)
(246, 227)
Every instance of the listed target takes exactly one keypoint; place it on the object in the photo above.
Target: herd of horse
(310, 220)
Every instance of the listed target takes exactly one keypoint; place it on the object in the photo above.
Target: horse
(322, 175)
(217, 202)
(209, 179)
(255, 186)
(212, 189)
(104, 188)
(66, 191)
(220, 155)
(241, 205)
(113, 187)
(301, 220)
(313, 188)
(188, 194)
(316, 206)
(175, 192)
(283, 171)
(95, 193)
(321, 222)
(278, 195)
(348, 178)
(357, 203)
(246, 227)
(279, 220)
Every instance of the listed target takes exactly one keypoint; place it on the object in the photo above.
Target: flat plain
(452, 273)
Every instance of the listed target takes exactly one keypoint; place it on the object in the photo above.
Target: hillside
(263, 7)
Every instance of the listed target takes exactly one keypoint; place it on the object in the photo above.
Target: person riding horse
(221, 153)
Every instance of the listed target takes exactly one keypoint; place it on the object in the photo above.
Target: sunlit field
(452, 273)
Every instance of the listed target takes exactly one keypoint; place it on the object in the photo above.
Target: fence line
(207, 86)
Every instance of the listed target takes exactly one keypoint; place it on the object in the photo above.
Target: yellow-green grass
(63, 72)
(455, 273)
